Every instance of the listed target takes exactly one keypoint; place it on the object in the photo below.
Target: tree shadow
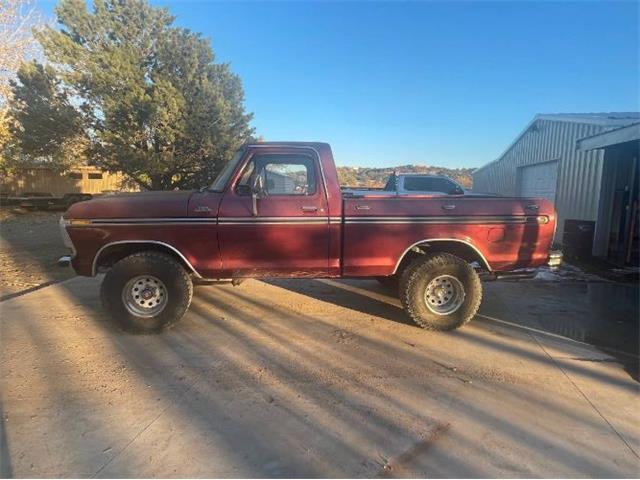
(30, 245)
(280, 390)
(6, 470)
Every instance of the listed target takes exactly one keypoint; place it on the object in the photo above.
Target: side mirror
(257, 188)
(456, 191)
(257, 191)
(244, 190)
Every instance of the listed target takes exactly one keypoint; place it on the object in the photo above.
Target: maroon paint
(133, 205)
(275, 250)
(374, 249)
(228, 250)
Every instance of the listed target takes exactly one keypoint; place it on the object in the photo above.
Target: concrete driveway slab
(303, 379)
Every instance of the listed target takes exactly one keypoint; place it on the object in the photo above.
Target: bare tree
(17, 44)
(17, 20)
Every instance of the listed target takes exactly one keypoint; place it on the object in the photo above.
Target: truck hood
(133, 205)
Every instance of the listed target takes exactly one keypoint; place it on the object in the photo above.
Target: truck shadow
(254, 382)
(579, 313)
(365, 296)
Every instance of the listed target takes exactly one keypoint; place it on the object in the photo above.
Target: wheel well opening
(457, 248)
(114, 253)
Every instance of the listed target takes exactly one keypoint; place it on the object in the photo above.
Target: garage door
(539, 180)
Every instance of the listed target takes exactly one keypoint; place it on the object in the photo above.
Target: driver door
(273, 219)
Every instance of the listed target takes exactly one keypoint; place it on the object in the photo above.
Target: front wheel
(440, 292)
(146, 292)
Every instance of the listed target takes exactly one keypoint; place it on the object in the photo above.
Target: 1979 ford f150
(276, 210)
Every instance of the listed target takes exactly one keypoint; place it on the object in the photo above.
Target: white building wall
(579, 173)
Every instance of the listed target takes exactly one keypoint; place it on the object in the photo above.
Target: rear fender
(455, 246)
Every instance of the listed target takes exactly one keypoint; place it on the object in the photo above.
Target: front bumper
(65, 260)
(66, 239)
(555, 259)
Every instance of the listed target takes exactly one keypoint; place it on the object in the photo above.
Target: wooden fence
(46, 180)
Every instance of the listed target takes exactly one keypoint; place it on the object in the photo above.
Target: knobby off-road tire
(440, 291)
(146, 292)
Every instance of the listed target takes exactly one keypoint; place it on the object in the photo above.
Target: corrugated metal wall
(579, 173)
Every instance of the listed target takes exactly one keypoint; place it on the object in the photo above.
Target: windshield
(223, 177)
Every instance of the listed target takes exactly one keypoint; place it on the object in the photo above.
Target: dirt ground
(309, 379)
(30, 245)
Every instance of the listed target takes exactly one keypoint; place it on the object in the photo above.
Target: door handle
(309, 209)
(362, 207)
(448, 207)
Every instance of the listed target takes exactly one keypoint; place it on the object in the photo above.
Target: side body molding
(94, 267)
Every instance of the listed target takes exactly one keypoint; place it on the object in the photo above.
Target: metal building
(566, 158)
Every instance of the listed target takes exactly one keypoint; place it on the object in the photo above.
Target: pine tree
(130, 92)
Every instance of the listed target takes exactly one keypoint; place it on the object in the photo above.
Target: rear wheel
(146, 292)
(440, 292)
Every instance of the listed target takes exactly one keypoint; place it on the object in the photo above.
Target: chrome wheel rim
(444, 295)
(145, 296)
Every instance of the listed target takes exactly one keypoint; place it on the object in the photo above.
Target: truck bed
(378, 230)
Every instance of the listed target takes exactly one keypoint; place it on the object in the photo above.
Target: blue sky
(436, 83)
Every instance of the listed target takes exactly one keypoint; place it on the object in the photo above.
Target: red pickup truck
(276, 210)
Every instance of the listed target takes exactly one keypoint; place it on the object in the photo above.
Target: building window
(75, 175)
(95, 176)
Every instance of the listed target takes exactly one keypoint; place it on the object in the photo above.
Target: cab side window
(281, 174)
